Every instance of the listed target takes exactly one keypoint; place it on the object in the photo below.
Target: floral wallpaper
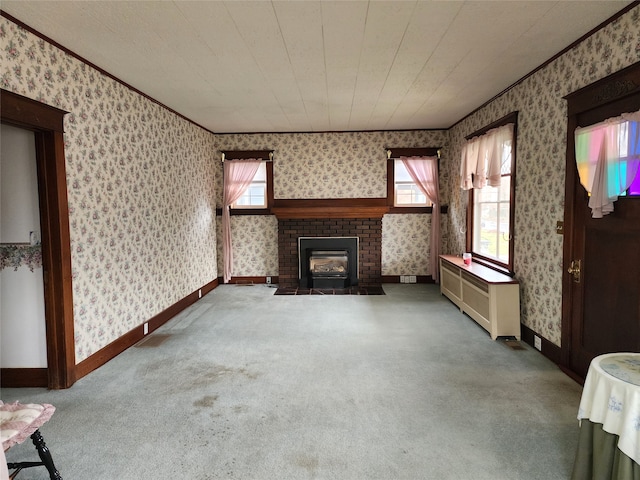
(540, 177)
(329, 165)
(255, 245)
(406, 244)
(140, 185)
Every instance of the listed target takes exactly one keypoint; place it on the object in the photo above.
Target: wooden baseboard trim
(549, 349)
(573, 375)
(396, 279)
(261, 280)
(132, 337)
(23, 377)
(249, 280)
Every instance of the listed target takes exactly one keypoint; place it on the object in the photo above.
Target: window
(255, 196)
(488, 166)
(406, 192)
(608, 161)
(403, 195)
(491, 220)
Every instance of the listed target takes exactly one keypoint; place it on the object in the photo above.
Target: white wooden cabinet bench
(491, 298)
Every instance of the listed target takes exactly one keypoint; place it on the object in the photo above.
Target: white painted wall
(22, 320)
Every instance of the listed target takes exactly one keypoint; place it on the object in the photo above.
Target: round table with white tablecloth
(609, 415)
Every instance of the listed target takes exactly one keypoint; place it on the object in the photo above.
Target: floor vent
(513, 344)
(153, 340)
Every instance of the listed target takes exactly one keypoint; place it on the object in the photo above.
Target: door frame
(606, 94)
(47, 124)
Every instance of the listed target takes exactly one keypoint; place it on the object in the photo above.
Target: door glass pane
(634, 189)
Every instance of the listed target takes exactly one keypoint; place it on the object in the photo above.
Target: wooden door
(601, 281)
(606, 292)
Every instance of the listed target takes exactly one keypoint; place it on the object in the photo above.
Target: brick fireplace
(368, 231)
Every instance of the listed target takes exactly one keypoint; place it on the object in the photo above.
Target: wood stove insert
(328, 262)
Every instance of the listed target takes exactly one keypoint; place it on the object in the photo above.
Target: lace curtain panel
(607, 158)
(238, 175)
(424, 173)
(485, 158)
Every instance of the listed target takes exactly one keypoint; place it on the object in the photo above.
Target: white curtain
(424, 173)
(607, 157)
(238, 175)
(483, 158)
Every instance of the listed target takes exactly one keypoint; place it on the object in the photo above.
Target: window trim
(395, 154)
(507, 268)
(265, 156)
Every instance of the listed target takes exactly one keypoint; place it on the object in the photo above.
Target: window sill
(245, 211)
(493, 266)
(415, 210)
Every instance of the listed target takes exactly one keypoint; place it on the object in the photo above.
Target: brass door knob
(574, 269)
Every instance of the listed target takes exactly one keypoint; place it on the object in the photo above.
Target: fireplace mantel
(329, 212)
(330, 208)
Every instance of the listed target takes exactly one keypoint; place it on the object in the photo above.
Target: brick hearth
(368, 230)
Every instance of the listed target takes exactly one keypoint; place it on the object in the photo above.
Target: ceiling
(303, 66)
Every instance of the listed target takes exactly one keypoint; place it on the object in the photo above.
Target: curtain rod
(247, 154)
(412, 152)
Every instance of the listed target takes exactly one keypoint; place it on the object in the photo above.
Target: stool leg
(45, 455)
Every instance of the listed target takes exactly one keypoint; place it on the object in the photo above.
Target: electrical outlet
(268, 280)
(537, 342)
(402, 279)
(145, 328)
(34, 238)
(412, 279)
(199, 293)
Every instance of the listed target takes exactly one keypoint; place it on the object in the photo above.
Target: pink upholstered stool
(20, 421)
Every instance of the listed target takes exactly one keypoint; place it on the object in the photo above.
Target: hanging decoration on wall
(16, 255)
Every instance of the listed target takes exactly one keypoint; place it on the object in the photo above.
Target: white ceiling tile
(242, 66)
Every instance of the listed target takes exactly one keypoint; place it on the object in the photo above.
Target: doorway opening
(47, 124)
